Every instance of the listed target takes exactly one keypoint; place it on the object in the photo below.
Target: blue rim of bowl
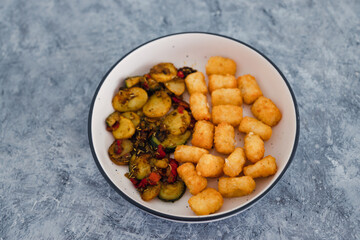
(210, 217)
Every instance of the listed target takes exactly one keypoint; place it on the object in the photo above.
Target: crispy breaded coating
(254, 147)
(185, 153)
(227, 113)
(195, 82)
(206, 202)
(203, 135)
(226, 96)
(199, 106)
(234, 163)
(250, 89)
(236, 186)
(224, 138)
(220, 65)
(249, 124)
(221, 81)
(194, 182)
(210, 166)
(263, 168)
(266, 111)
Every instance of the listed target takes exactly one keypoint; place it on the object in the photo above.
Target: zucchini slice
(125, 130)
(133, 117)
(120, 151)
(176, 86)
(139, 167)
(163, 72)
(158, 105)
(177, 122)
(113, 120)
(151, 192)
(132, 81)
(130, 99)
(171, 141)
(170, 192)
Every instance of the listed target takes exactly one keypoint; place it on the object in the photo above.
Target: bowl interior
(194, 49)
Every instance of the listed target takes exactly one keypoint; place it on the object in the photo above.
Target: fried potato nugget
(194, 182)
(221, 81)
(203, 135)
(249, 124)
(224, 138)
(199, 106)
(249, 88)
(263, 168)
(227, 113)
(234, 163)
(220, 65)
(254, 147)
(195, 82)
(266, 111)
(226, 96)
(210, 166)
(206, 202)
(185, 153)
(236, 186)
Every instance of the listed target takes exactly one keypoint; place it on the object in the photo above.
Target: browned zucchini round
(120, 151)
(158, 105)
(151, 192)
(130, 99)
(139, 167)
(163, 72)
(170, 192)
(125, 129)
(177, 121)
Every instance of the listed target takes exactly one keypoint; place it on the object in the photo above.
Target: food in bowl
(151, 121)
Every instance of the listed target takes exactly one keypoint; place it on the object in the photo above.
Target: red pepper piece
(147, 76)
(180, 74)
(180, 109)
(176, 100)
(160, 153)
(145, 85)
(115, 126)
(154, 178)
(143, 183)
(173, 170)
(118, 148)
(134, 181)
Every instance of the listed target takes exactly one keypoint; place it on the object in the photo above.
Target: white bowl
(194, 49)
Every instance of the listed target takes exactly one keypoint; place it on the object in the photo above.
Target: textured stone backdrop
(53, 55)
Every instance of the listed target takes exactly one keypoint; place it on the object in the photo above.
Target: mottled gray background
(53, 55)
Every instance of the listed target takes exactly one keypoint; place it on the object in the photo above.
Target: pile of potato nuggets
(216, 130)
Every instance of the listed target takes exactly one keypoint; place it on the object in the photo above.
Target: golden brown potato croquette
(203, 135)
(199, 106)
(263, 168)
(234, 163)
(206, 202)
(195, 82)
(224, 138)
(210, 166)
(221, 81)
(194, 182)
(220, 65)
(249, 124)
(254, 147)
(185, 153)
(236, 186)
(226, 96)
(227, 113)
(250, 89)
(266, 111)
